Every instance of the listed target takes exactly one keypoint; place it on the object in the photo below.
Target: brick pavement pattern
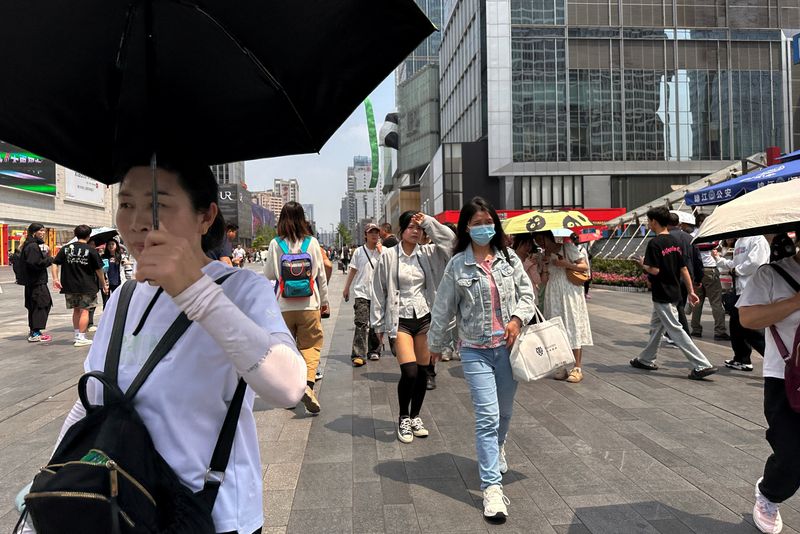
(624, 451)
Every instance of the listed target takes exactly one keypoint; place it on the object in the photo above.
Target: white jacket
(749, 254)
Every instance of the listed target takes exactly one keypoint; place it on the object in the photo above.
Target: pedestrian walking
(238, 257)
(693, 263)
(749, 254)
(666, 267)
(33, 263)
(236, 331)
(709, 288)
(771, 301)
(78, 274)
(294, 262)
(365, 341)
(403, 289)
(345, 258)
(113, 256)
(486, 289)
(564, 299)
(388, 239)
(224, 251)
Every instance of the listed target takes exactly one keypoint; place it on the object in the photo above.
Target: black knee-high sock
(420, 387)
(405, 388)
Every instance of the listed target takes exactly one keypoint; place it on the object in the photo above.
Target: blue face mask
(482, 234)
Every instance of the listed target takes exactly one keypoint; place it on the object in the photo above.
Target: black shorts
(417, 326)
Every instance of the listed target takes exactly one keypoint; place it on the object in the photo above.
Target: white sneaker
(92, 328)
(766, 515)
(404, 432)
(418, 429)
(503, 462)
(495, 504)
(447, 355)
(82, 342)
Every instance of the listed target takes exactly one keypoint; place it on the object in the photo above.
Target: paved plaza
(622, 452)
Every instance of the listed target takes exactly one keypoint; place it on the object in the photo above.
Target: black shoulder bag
(106, 477)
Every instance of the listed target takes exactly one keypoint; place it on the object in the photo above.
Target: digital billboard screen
(23, 170)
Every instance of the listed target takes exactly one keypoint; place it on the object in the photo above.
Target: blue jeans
(492, 386)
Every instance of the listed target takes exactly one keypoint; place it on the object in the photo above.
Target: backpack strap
(115, 342)
(784, 351)
(282, 243)
(215, 474)
(306, 243)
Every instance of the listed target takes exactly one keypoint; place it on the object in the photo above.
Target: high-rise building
(309, 210)
(362, 203)
(608, 103)
(288, 190)
(229, 173)
(427, 53)
(269, 200)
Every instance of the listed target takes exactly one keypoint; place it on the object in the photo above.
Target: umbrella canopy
(100, 235)
(730, 189)
(684, 217)
(219, 81)
(544, 220)
(770, 210)
(790, 156)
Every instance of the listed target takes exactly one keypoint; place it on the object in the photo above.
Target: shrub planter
(623, 289)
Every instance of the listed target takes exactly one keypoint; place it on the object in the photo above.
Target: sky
(323, 177)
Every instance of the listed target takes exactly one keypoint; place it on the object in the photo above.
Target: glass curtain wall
(660, 93)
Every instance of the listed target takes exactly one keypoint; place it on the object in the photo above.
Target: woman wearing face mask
(564, 299)
(486, 289)
(404, 287)
(237, 331)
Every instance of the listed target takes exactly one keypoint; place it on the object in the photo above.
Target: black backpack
(106, 477)
(18, 264)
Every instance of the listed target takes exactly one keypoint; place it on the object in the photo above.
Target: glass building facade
(648, 80)
(427, 53)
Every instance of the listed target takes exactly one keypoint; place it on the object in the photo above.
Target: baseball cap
(370, 226)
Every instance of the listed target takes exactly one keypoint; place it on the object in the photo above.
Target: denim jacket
(464, 293)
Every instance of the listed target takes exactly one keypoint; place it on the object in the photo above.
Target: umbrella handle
(153, 168)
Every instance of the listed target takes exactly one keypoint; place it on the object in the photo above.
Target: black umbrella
(218, 81)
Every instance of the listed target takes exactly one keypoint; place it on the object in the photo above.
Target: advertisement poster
(84, 189)
(23, 170)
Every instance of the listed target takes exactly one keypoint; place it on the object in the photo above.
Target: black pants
(38, 303)
(111, 289)
(744, 340)
(782, 470)
(231, 532)
(682, 309)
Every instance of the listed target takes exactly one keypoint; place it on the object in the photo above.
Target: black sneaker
(431, 382)
(697, 334)
(722, 337)
(637, 363)
(700, 374)
(739, 366)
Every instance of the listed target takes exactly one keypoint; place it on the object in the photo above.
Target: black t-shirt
(79, 263)
(390, 241)
(664, 252)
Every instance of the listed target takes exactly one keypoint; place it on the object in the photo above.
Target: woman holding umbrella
(563, 298)
(237, 331)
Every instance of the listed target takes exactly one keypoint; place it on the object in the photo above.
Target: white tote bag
(541, 349)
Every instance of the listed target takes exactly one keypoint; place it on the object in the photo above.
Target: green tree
(344, 234)
(264, 236)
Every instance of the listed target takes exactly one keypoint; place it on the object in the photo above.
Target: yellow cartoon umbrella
(543, 220)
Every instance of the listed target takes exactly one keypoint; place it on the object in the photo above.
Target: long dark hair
(32, 229)
(200, 185)
(292, 224)
(463, 239)
(117, 251)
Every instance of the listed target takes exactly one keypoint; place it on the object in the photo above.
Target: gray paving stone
(322, 521)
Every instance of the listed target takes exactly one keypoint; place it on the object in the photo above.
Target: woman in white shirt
(404, 288)
(768, 300)
(237, 331)
(293, 255)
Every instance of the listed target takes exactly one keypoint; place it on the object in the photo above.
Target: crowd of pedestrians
(432, 291)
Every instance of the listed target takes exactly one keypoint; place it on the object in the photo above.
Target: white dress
(564, 299)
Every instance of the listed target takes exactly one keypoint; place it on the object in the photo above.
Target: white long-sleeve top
(238, 331)
(749, 254)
